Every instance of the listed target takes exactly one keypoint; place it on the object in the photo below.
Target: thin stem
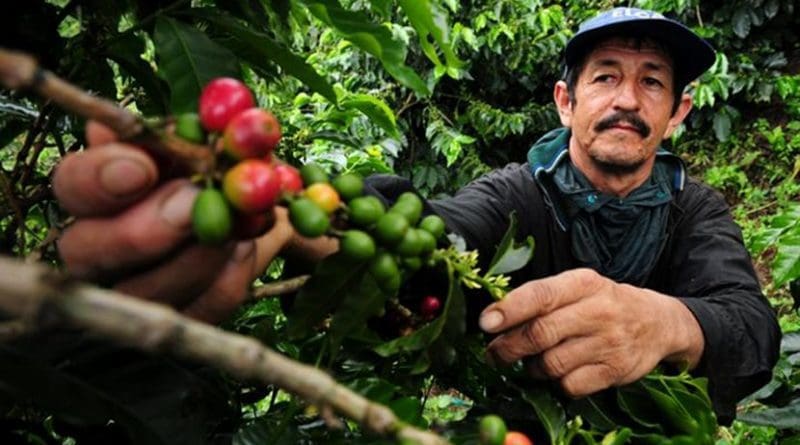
(280, 287)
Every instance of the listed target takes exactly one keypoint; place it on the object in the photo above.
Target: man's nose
(627, 97)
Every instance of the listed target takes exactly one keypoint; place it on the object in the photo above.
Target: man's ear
(680, 114)
(561, 98)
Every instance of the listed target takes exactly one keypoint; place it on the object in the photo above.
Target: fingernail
(177, 208)
(490, 320)
(123, 177)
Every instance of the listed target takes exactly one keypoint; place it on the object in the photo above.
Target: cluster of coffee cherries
(240, 196)
(238, 201)
(393, 239)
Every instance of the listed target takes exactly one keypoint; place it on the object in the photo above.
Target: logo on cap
(633, 12)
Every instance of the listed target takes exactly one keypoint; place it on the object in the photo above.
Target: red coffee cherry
(253, 133)
(221, 100)
(252, 186)
(430, 306)
(248, 226)
(517, 438)
(291, 182)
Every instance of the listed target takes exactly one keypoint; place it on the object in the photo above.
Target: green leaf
(510, 256)
(328, 286)
(373, 38)
(187, 60)
(126, 52)
(376, 389)
(790, 342)
(407, 409)
(676, 414)
(741, 22)
(770, 8)
(722, 126)
(635, 401)
(375, 109)
(594, 410)
(363, 300)
(382, 7)
(787, 219)
(260, 50)
(336, 136)
(786, 266)
(429, 19)
(548, 410)
(782, 418)
(617, 437)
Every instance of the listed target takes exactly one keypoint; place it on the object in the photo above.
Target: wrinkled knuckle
(588, 278)
(609, 374)
(540, 334)
(553, 364)
(541, 294)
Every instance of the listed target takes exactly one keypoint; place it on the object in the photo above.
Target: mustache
(628, 117)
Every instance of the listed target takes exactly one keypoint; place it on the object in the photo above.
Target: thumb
(103, 180)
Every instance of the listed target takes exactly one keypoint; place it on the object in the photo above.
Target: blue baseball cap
(691, 54)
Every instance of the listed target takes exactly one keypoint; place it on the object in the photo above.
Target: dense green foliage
(438, 91)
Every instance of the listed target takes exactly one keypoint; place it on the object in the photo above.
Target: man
(635, 264)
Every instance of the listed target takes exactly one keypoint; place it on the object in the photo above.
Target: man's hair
(571, 73)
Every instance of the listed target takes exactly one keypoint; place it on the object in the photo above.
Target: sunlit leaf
(261, 50)
(786, 266)
(509, 255)
(429, 19)
(375, 109)
(187, 60)
(373, 38)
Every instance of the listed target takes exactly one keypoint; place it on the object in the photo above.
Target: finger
(180, 279)
(99, 134)
(589, 379)
(569, 356)
(539, 297)
(271, 243)
(144, 233)
(103, 180)
(542, 333)
(230, 289)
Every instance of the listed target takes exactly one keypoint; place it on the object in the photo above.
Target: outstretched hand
(590, 332)
(134, 229)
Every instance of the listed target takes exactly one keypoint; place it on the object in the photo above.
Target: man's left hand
(590, 332)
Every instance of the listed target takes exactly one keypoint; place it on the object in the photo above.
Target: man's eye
(651, 81)
(602, 78)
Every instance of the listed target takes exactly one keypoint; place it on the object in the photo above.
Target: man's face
(623, 106)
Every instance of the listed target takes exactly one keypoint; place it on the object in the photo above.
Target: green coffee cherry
(212, 218)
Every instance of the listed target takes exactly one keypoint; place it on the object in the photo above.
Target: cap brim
(692, 55)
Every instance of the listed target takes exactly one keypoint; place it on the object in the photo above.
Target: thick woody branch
(38, 294)
(20, 71)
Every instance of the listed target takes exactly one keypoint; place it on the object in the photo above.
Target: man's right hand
(134, 229)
